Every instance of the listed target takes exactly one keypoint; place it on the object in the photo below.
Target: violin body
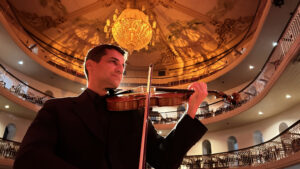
(169, 97)
(137, 101)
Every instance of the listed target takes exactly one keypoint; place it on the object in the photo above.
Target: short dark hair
(95, 54)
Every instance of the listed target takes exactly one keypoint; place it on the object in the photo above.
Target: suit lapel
(85, 109)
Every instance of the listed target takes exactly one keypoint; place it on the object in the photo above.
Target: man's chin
(115, 85)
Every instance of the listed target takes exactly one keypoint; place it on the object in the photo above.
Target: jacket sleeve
(168, 153)
(37, 150)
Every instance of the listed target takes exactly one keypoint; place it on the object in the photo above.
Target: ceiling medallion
(131, 29)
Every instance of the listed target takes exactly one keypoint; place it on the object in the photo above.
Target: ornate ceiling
(192, 39)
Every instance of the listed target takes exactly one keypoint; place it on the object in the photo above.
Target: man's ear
(89, 65)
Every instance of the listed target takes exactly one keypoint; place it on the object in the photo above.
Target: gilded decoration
(189, 38)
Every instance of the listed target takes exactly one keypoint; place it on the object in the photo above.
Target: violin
(135, 99)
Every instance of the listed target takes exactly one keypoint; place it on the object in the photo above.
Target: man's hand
(200, 93)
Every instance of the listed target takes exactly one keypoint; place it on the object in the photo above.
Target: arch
(206, 147)
(232, 143)
(10, 132)
(258, 137)
(282, 126)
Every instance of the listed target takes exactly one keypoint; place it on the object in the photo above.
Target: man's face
(108, 73)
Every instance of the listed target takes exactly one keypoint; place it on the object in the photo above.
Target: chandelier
(131, 29)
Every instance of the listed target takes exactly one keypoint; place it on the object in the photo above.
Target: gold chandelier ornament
(132, 30)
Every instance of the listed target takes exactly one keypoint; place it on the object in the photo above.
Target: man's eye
(113, 61)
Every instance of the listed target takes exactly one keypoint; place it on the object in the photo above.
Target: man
(79, 133)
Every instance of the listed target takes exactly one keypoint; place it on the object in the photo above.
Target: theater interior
(247, 51)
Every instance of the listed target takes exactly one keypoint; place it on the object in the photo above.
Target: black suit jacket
(69, 133)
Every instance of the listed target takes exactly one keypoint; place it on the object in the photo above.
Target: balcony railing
(282, 146)
(279, 54)
(21, 89)
(8, 149)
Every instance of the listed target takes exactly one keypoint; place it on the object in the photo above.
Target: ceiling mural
(186, 37)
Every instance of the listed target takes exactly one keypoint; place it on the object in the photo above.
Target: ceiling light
(132, 29)
(251, 67)
(6, 106)
(274, 44)
(20, 62)
(83, 88)
(260, 113)
(288, 96)
(159, 132)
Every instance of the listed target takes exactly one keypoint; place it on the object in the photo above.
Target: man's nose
(119, 69)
